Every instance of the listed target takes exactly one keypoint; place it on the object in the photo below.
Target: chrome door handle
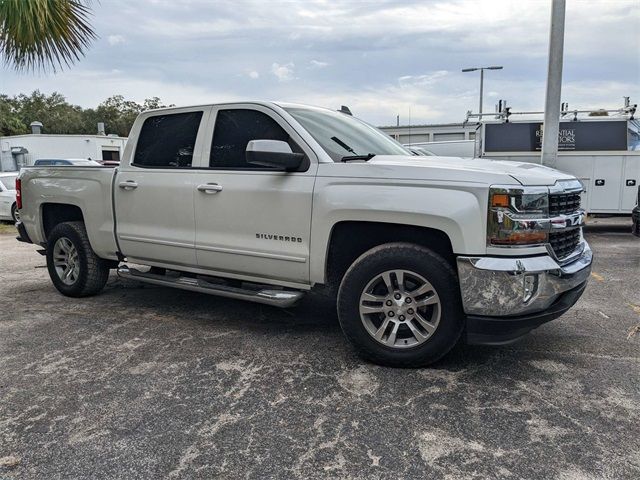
(128, 185)
(210, 188)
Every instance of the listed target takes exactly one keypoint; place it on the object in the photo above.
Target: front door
(252, 221)
(155, 219)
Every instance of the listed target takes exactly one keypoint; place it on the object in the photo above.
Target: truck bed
(88, 188)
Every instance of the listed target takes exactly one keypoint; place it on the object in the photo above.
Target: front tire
(399, 305)
(75, 270)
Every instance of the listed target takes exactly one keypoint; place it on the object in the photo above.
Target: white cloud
(318, 64)
(427, 79)
(385, 57)
(115, 39)
(284, 73)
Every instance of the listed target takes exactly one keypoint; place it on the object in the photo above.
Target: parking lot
(148, 382)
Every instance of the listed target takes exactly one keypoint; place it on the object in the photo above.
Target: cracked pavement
(149, 382)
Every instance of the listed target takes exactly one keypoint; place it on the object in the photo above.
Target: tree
(44, 34)
(59, 116)
(55, 113)
(10, 123)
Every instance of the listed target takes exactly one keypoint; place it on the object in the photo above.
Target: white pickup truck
(265, 201)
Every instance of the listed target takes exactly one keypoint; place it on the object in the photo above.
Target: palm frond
(44, 34)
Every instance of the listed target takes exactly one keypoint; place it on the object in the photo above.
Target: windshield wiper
(366, 157)
(343, 145)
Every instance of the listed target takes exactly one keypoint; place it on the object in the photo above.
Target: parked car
(8, 207)
(76, 162)
(266, 201)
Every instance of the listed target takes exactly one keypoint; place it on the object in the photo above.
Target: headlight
(515, 215)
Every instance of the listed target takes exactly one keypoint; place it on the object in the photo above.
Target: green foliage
(59, 116)
(44, 34)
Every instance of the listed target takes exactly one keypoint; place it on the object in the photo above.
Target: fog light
(529, 287)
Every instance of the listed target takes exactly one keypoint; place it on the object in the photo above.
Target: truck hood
(524, 173)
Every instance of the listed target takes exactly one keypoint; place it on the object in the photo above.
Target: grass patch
(7, 229)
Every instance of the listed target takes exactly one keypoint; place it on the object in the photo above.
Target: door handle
(210, 188)
(128, 185)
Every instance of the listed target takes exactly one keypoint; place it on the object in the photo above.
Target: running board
(276, 298)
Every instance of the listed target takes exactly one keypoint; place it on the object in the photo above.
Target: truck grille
(563, 203)
(564, 243)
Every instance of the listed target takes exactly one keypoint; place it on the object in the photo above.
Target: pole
(551, 124)
(481, 87)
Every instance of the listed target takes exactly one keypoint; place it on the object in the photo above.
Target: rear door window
(168, 141)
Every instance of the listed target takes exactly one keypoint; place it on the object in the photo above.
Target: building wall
(55, 146)
(431, 133)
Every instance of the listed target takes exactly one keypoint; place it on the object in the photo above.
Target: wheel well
(56, 213)
(349, 240)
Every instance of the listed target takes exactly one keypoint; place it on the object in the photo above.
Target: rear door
(258, 223)
(154, 195)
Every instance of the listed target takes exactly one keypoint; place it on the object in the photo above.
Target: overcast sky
(381, 58)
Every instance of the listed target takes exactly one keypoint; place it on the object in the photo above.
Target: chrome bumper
(506, 286)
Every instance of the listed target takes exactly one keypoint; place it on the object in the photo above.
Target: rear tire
(399, 305)
(14, 213)
(74, 268)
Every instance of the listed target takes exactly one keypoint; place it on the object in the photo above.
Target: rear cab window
(168, 141)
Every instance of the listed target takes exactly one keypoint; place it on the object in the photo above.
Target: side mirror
(273, 153)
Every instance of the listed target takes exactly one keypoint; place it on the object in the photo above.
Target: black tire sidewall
(68, 231)
(423, 262)
(14, 209)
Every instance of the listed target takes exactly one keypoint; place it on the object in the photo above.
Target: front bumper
(519, 291)
(500, 330)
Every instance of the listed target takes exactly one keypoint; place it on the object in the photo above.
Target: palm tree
(44, 34)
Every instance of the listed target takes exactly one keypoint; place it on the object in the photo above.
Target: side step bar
(276, 298)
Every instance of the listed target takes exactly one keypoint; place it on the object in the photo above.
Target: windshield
(9, 182)
(342, 135)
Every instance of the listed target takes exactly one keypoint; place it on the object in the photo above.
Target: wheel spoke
(386, 278)
(421, 290)
(370, 297)
(67, 273)
(400, 279)
(418, 335)
(430, 300)
(65, 245)
(428, 326)
(392, 336)
(366, 309)
(383, 328)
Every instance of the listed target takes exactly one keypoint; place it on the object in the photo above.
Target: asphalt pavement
(150, 382)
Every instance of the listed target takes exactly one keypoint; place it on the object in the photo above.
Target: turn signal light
(500, 200)
(18, 194)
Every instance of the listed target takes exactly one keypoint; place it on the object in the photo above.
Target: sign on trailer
(573, 136)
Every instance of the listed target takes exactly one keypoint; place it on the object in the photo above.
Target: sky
(381, 58)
